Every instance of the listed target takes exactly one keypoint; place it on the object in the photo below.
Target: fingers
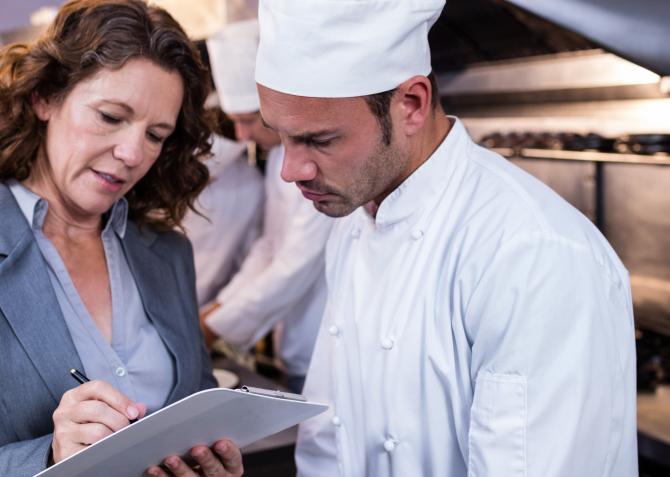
(155, 471)
(88, 413)
(98, 411)
(177, 467)
(87, 434)
(222, 460)
(105, 392)
(209, 463)
(230, 456)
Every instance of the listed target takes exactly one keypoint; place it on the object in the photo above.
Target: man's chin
(333, 209)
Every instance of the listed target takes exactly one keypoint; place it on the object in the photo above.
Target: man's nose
(297, 165)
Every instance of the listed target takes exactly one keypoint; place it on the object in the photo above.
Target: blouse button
(336, 421)
(356, 233)
(387, 343)
(334, 330)
(120, 371)
(389, 445)
(417, 234)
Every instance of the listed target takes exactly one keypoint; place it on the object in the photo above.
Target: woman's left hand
(223, 459)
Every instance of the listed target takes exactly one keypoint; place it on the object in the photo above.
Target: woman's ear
(414, 96)
(41, 107)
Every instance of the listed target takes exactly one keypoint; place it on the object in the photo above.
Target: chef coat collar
(411, 196)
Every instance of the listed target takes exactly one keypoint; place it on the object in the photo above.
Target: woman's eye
(155, 138)
(108, 118)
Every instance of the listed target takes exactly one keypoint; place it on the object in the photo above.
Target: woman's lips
(108, 181)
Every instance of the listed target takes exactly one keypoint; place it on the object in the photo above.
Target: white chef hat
(232, 56)
(343, 48)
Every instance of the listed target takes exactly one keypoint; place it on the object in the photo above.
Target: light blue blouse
(137, 361)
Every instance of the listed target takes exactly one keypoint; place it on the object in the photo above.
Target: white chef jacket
(479, 326)
(282, 280)
(232, 205)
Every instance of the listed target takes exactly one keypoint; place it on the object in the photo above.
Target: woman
(101, 126)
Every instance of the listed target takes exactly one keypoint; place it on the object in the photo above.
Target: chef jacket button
(334, 330)
(417, 234)
(356, 233)
(389, 445)
(387, 343)
(120, 371)
(336, 421)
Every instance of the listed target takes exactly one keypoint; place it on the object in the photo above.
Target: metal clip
(276, 393)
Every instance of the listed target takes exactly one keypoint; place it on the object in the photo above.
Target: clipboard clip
(276, 393)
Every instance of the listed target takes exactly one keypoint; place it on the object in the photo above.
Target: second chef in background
(281, 283)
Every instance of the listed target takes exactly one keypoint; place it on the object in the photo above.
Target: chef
(229, 218)
(281, 283)
(477, 324)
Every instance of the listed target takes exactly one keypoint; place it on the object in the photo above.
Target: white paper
(202, 418)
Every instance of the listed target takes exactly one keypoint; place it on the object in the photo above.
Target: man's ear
(414, 97)
(41, 107)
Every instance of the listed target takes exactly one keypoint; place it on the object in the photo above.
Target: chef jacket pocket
(497, 438)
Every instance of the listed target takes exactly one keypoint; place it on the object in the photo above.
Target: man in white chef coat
(281, 283)
(229, 219)
(476, 323)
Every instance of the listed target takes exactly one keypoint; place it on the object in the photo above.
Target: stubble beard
(374, 179)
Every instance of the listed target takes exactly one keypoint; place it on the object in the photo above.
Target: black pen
(81, 379)
(79, 376)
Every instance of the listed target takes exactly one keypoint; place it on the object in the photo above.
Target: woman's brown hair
(86, 36)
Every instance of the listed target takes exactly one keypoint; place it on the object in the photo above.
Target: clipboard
(243, 415)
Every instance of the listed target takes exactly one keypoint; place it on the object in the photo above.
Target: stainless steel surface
(637, 30)
(637, 224)
(573, 181)
(586, 156)
(566, 71)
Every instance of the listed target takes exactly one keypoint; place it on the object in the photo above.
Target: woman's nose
(130, 149)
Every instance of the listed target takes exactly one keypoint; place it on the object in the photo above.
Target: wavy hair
(85, 37)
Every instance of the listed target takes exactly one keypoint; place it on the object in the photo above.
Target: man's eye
(320, 143)
(108, 118)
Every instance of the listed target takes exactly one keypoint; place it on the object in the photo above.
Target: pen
(79, 376)
(81, 379)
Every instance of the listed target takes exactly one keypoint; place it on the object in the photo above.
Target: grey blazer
(36, 349)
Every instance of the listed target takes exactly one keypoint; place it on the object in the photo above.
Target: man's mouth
(310, 194)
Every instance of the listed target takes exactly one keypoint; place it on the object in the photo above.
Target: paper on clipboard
(201, 418)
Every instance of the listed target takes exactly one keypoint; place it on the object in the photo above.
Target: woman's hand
(222, 460)
(88, 413)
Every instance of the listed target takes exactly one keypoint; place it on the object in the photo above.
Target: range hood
(636, 30)
(481, 31)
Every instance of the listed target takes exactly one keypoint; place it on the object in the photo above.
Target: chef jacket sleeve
(551, 330)
(271, 282)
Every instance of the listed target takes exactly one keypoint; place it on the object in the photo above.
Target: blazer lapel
(156, 283)
(28, 302)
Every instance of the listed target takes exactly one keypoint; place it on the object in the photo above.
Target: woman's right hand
(88, 413)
